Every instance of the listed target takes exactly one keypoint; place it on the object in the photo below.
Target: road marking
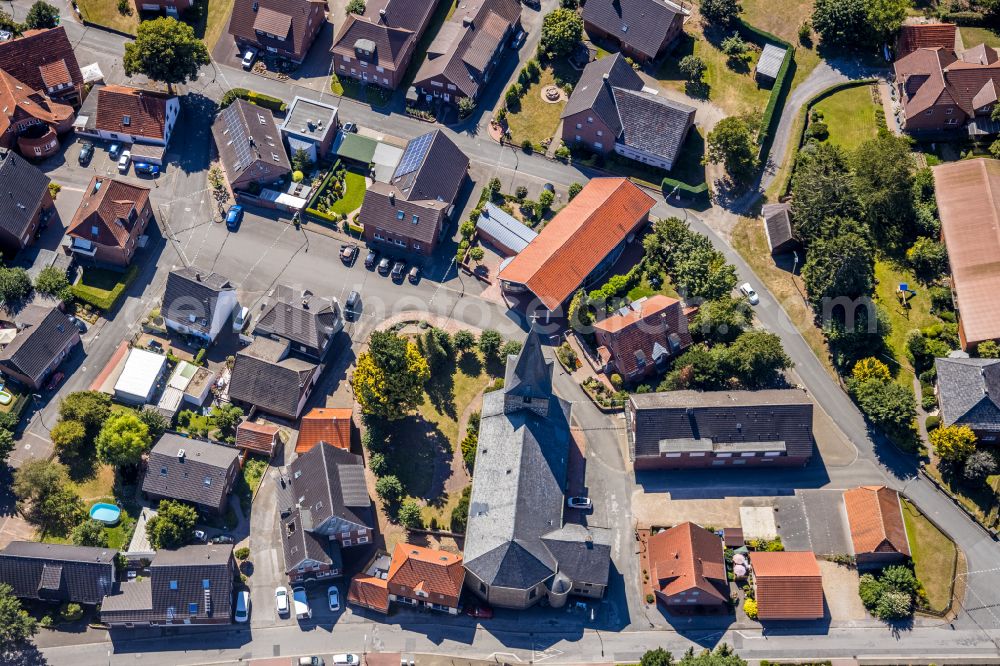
(494, 655)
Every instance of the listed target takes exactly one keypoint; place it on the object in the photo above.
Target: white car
(333, 596)
(124, 161)
(281, 600)
(302, 609)
(249, 57)
(579, 503)
(242, 613)
(751, 295)
(346, 659)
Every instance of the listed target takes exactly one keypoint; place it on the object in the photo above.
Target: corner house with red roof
(580, 244)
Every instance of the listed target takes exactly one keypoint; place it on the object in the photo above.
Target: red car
(54, 382)
(481, 612)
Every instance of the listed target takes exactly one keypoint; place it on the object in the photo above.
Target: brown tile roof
(437, 573)
(789, 585)
(41, 58)
(925, 36)
(578, 238)
(921, 76)
(641, 24)
(656, 319)
(394, 35)
(688, 557)
(21, 102)
(260, 437)
(369, 592)
(108, 204)
(272, 22)
(332, 426)
(249, 142)
(968, 198)
(145, 109)
(876, 520)
(288, 19)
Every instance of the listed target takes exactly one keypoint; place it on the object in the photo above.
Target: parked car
(200, 536)
(233, 217)
(311, 661)
(124, 160)
(352, 307)
(147, 169)
(114, 150)
(751, 295)
(80, 325)
(222, 538)
(281, 600)
(333, 597)
(301, 603)
(249, 57)
(86, 153)
(384, 266)
(350, 128)
(414, 275)
(348, 253)
(54, 382)
(346, 659)
(397, 271)
(518, 40)
(370, 259)
(240, 316)
(242, 613)
(579, 503)
(481, 612)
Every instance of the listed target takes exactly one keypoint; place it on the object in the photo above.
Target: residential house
(968, 200)
(109, 222)
(324, 424)
(687, 566)
(611, 111)
(580, 244)
(778, 227)
(260, 438)
(192, 471)
(639, 340)
(466, 50)
(418, 577)
(942, 88)
(684, 429)
(265, 376)
(787, 586)
(370, 588)
(26, 204)
(878, 533)
(172, 8)
(376, 47)
(309, 323)
(969, 394)
(45, 336)
(325, 507)
(410, 213)
(925, 36)
(44, 61)
(57, 572)
(249, 145)
(284, 28)
(518, 550)
(643, 29)
(310, 126)
(31, 121)
(133, 115)
(192, 585)
(197, 303)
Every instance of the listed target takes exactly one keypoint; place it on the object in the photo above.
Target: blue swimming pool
(109, 514)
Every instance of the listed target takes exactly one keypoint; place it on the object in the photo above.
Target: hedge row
(781, 82)
(254, 97)
(311, 207)
(698, 192)
(964, 18)
(103, 299)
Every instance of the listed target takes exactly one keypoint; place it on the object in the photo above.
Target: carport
(148, 154)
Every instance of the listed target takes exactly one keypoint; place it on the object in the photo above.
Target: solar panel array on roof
(414, 155)
(238, 136)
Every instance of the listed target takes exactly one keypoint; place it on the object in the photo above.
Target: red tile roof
(688, 557)
(145, 110)
(640, 329)
(332, 426)
(436, 573)
(925, 36)
(578, 238)
(107, 204)
(20, 102)
(260, 437)
(876, 520)
(369, 592)
(41, 58)
(789, 585)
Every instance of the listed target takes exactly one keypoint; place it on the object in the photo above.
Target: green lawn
(365, 93)
(101, 287)
(218, 19)
(97, 487)
(972, 36)
(783, 18)
(646, 288)
(850, 115)
(917, 314)
(105, 12)
(444, 9)
(354, 194)
(535, 119)
(933, 557)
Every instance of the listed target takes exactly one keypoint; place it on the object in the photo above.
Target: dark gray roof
(192, 293)
(22, 188)
(246, 135)
(778, 225)
(308, 118)
(529, 374)
(194, 582)
(263, 375)
(389, 37)
(200, 476)
(642, 24)
(594, 93)
(968, 390)
(653, 124)
(300, 544)
(44, 334)
(690, 420)
(300, 317)
(583, 553)
(57, 572)
(328, 482)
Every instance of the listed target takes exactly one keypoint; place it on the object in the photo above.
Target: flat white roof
(182, 376)
(142, 369)
(758, 522)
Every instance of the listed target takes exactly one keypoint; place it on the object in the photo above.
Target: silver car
(751, 295)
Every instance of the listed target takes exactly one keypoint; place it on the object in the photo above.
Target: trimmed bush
(103, 299)
(254, 97)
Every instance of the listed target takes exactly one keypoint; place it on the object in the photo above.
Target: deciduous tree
(842, 267)
(722, 320)
(227, 417)
(889, 406)
(46, 497)
(928, 258)
(172, 526)
(490, 342)
(123, 440)
(732, 143)
(91, 408)
(883, 169)
(42, 15)
(953, 443)
(562, 30)
(822, 192)
(52, 282)
(165, 50)
(389, 379)
(90, 533)
(69, 438)
(756, 358)
(692, 67)
(842, 23)
(870, 368)
(720, 13)
(16, 626)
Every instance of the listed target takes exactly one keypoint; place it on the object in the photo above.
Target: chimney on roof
(381, 15)
(197, 277)
(305, 303)
(466, 21)
(392, 198)
(605, 76)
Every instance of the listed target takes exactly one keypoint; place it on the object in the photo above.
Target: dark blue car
(147, 169)
(233, 217)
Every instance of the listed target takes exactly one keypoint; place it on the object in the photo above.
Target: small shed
(503, 231)
(142, 372)
(148, 154)
(769, 62)
(778, 228)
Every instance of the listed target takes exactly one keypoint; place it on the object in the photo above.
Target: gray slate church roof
(968, 389)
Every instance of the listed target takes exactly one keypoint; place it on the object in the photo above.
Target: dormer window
(416, 219)
(126, 120)
(400, 215)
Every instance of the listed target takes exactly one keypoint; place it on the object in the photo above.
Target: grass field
(535, 119)
(444, 9)
(973, 36)
(917, 314)
(105, 12)
(850, 115)
(783, 18)
(934, 557)
(354, 194)
(215, 24)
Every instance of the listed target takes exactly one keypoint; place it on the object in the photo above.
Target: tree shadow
(699, 90)
(416, 453)
(22, 654)
(83, 467)
(470, 364)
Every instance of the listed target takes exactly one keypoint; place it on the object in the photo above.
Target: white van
(301, 604)
(242, 613)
